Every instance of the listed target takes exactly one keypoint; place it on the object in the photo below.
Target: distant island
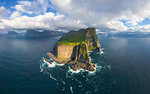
(125, 34)
(42, 34)
(12, 34)
(33, 34)
(72, 49)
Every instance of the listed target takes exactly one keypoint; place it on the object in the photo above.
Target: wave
(52, 65)
(71, 89)
(60, 64)
(72, 71)
(49, 65)
(102, 52)
(97, 68)
(56, 63)
(52, 77)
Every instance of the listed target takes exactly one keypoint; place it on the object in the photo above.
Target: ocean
(122, 68)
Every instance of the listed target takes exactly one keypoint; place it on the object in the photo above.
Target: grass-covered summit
(74, 36)
(82, 36)
(73, 47)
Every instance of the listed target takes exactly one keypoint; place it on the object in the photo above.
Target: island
(12, 33)
(42, 34)
(73, 49)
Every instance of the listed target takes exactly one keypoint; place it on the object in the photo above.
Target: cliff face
(92, 40)
(73, 47)
(80, 53)
(64, 51)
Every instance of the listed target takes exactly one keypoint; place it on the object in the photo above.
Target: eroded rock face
(73, 49)
(59, 61)
(92, 40)
(64, 51)
(80, 53)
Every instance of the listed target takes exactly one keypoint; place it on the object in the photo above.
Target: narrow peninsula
(72, 49)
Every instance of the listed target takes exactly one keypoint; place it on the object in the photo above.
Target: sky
(65, 15)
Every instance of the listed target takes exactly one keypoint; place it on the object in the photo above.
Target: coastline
(73, 64)
(54, 64)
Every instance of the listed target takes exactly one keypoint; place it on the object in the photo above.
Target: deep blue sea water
(123, 68)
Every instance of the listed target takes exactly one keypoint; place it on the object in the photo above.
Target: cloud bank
(48, 21)
(116, 15)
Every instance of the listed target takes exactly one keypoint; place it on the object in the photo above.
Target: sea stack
(73, 48)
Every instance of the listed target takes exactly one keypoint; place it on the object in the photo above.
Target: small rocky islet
(72, 49)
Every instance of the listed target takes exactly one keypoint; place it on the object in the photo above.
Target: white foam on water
(41, 70)
(92, 72)
(49, 65)
(97, 68)
(71, 90)
(109, 67)
(56, 63)
(60, 64)
(82, 70)
(72, 71)
(52, 77)
(57, 83)
(80, 85)
(63, 82)
(102, 52)
(53, 63)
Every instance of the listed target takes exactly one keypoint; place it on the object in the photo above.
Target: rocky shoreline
(74, 65)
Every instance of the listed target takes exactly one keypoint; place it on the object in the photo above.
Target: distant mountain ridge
(126, 34)
(44, 33)
(33, 34)
(12, 33)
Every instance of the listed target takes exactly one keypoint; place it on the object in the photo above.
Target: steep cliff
(73, 47)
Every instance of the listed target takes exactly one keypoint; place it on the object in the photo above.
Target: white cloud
(23, 9)
(16, 14)
(33, 7)
(3, 11)
(102, 13)
(117, 25)
(46, 21)
(144, 28)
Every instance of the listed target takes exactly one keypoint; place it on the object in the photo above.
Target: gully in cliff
(72, 49)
